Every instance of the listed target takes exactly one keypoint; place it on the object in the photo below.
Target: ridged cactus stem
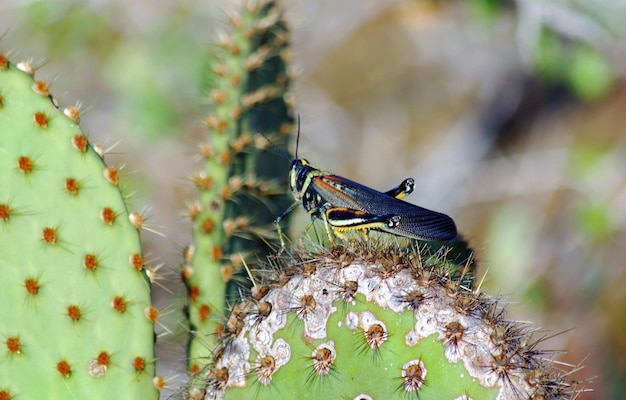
(243, 185)
(370, 320)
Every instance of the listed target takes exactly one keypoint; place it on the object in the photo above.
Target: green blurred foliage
(585, 70)
(154, 67)
(550, 57)
(595, 221)
(485, 10)
(585, 159)
(589, 75)
(512, 228)
(63, 27)
(594, 215)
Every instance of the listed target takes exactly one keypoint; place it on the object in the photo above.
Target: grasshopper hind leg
(340, 220)
(329, 230)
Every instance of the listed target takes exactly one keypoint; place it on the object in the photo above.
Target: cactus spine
(73, 287)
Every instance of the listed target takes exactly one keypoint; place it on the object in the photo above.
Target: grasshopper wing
(415, 222)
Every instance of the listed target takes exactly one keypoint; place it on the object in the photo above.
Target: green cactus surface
(76, 320)
(242, 187)
(368, 320)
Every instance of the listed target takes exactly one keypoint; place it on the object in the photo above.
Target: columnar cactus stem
(242, 187)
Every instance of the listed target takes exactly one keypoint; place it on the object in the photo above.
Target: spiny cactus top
(372, 321)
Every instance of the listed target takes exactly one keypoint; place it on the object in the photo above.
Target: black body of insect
(345, 206)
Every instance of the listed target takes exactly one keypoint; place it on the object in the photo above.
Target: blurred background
(510, 115)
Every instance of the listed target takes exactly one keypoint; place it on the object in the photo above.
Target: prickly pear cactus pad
(74, 294)
(373, 321)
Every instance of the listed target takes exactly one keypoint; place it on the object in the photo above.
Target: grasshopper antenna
(298, 137)
(281, 151)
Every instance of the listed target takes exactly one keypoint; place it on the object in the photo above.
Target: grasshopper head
(298, 173)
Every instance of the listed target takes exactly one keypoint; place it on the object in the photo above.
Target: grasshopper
(346, 206)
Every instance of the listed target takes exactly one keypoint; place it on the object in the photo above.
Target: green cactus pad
(369, 321)
(73, 288)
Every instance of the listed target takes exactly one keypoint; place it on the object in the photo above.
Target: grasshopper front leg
(403, 189)
(277, 223)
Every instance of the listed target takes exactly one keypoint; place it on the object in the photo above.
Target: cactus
(76, 319)
(240, 194)
(369, 320)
